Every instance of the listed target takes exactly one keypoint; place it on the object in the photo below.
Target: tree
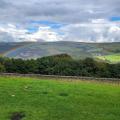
(2, 68)
(60, 65)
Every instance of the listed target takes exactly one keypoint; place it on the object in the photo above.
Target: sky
(60, 20)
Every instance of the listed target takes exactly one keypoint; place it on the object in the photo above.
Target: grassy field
(115, 58)
(35, 99)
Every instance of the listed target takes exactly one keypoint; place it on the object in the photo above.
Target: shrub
(2, 68)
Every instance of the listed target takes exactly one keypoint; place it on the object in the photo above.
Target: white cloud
(46, 34)
(43, 34)
(97, 30)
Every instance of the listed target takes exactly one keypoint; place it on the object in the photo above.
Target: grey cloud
(68, 11)
(5, 37)
(20, 12)
(3, 4)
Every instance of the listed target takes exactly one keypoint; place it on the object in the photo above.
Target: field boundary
(62, 77)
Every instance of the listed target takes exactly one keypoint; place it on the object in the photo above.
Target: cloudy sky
(60, 20)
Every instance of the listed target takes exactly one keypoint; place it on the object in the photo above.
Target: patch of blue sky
(51, 24)
(32, 29)
(34, 26)
(115, 19)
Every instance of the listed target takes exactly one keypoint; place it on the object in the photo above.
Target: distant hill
(77, 50)
(10, 46)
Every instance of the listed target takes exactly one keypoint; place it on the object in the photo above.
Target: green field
(58, 100)
(115, 58)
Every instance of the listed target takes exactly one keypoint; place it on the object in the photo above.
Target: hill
(49, 99)
(10, 46)
(75, 49)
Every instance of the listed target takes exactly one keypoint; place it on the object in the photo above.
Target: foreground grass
(58, 100)
(115, 58)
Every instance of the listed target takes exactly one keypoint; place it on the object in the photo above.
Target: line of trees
(61, 65)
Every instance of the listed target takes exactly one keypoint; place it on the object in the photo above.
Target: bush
(2, 68)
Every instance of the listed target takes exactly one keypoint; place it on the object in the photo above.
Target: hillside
(75, 49)
(10, 46)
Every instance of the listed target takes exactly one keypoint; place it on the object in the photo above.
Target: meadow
(23, 98)
(115, 58)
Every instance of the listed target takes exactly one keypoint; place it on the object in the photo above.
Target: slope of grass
(114, 58)
(58, 100)
(7, 47)
(77, 50)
